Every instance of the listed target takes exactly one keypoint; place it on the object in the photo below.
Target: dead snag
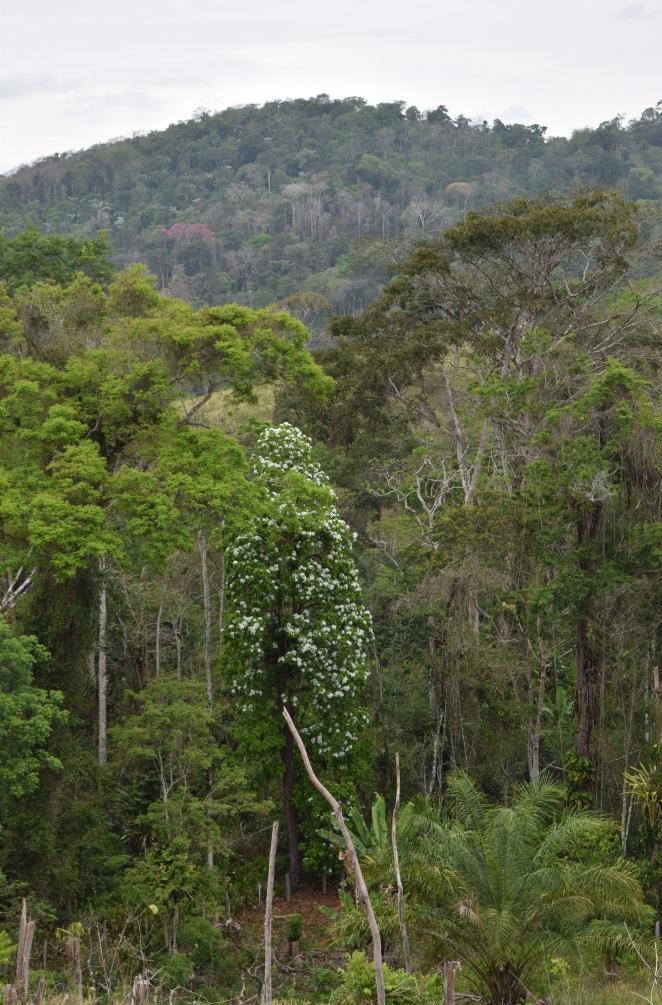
(268, 917)
(396, 865)
(354, 859)
(25, 939)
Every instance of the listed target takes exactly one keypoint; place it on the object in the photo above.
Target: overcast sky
(76, 72)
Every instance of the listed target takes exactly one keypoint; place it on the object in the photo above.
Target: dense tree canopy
(438, 536)
(257, 203)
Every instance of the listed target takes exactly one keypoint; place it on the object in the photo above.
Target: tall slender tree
(298, 632)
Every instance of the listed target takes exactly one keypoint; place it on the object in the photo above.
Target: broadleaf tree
(27, 717)
(298, 632)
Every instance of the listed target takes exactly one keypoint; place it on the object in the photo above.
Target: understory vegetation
(437, 536)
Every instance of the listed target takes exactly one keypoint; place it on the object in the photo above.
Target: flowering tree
(297, 629)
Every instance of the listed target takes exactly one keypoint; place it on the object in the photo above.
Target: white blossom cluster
(297, 626)
(285, 448)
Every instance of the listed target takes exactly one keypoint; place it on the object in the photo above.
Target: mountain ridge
(259, 203)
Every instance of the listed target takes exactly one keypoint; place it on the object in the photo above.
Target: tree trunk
(210, 815)
(206, 603)
(177, 632)
(505, 987)
(102, 666)
(406, 956)
(291, 817)
(587, 691)
(221, 606)
(473, 615)
(435, 773)
(657, 696)
(267, 996)
(451, 967)
(157, 641)
(535, 723)
(72, 948)
(23, 953)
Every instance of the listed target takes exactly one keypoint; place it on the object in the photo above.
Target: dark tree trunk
(505, 987)
(587, 691)
(587, 688)
(291, 818)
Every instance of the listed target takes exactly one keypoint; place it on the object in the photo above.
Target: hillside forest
(258, 205)
(360, 422)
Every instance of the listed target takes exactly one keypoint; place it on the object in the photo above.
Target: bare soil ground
(307, 902)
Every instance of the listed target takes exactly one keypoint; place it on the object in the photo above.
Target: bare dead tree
(206, 603)
(157, 640)
(72, 950)
(398, 876)
(361, 885)
(140, 990)
(16, 585)
(38, 995)
(9, 996)
(23, 953)
(469, 471)
(451, 967)
(267, 994)
(426, 493)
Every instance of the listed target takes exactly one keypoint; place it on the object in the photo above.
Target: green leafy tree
(32, 257)
(596, 458)
(298, 632)
(357, 985)
(447, 391)
(107, 478)
(27, 717)
(184, 797)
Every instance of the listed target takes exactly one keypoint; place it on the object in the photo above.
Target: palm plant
(503, 888)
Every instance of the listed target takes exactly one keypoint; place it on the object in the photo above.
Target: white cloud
(638, 12)
(13, 86)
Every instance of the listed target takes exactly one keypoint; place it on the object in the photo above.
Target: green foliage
(183, 798)
(294, 927)
(491, 427)
(376, 838)
(32, 257)
(501, 888)
(579, 774)
(170, 743)
(255, 204)
(357, 986)
(27, 717)
(7, 950)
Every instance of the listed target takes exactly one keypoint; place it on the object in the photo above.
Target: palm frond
(466, 802)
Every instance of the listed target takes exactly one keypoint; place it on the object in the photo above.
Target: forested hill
(255, 204)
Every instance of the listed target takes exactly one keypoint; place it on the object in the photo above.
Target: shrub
(358, 985)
